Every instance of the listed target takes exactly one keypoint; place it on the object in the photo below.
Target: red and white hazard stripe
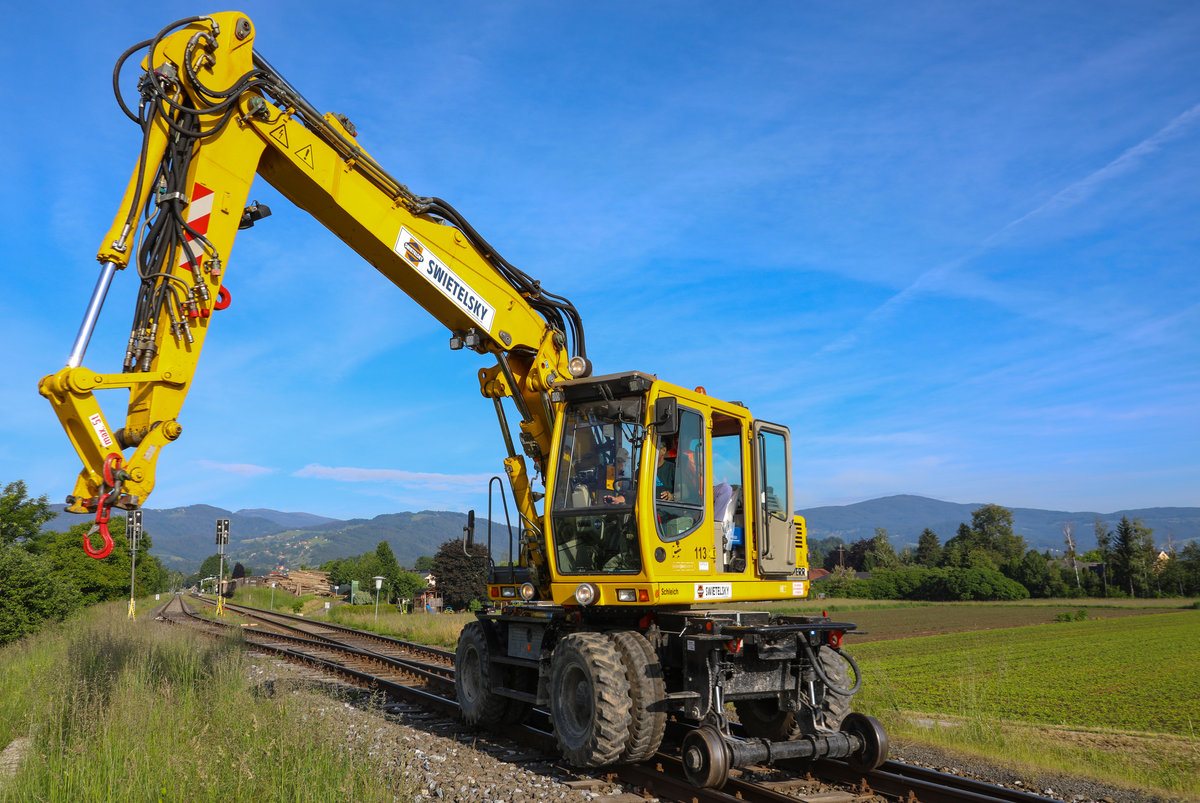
(198, 211)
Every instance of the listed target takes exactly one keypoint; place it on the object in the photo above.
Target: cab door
(774, 527)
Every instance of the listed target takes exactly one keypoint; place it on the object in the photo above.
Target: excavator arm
(214, 114)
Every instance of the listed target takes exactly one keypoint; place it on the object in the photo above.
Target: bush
(936, 585)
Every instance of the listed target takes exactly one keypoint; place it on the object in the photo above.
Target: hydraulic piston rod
(92, 314)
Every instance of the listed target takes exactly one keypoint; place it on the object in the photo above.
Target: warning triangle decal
(280, 135)
(305, 155)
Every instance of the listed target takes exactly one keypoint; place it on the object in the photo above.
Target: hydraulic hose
(829, 684)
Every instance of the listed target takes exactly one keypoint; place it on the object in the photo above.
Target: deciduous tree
(461, 573)
(21, 518)
(31, 593)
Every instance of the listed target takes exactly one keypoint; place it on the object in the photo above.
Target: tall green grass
(437, 629)
(123, 709)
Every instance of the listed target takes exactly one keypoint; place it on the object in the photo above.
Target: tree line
(986, 559)
(45, 576)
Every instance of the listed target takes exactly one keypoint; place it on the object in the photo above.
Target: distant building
(429, 600)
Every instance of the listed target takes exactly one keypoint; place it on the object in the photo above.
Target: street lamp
(272, 596)
(378, 585)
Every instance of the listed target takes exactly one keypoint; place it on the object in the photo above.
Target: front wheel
(472, 678)
(647, 717)
(589, 700)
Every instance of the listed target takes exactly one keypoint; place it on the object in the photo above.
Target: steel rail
(661, 776)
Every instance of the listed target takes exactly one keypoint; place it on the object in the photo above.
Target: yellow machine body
(247, 120)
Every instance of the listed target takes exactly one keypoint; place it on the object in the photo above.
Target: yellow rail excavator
(650, 510)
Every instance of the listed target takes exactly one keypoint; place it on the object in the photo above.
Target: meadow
(120, 709)
(1111, 693)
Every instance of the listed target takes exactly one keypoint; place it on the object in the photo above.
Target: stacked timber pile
(301, 581)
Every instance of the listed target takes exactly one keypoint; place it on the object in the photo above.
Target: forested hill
(905, 516)
(184, 536)
(263, 539)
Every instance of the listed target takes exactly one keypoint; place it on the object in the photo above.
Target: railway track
(424, 676)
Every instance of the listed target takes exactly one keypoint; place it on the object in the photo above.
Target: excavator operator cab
(666, 495)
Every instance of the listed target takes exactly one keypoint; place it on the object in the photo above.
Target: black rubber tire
(834, 707)
(472, 679)
(647, 717)
(589, 700)
(763, 719)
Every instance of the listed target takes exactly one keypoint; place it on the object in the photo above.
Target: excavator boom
(215, 114)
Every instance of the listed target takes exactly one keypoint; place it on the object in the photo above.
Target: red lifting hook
(101, 526)
(112, 478)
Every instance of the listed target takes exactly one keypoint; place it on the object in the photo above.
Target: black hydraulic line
(508, 442)
(517, 398)
(816, 665)
(546, 304)
(117, 78)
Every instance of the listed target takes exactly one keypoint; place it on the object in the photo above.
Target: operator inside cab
(602, 448)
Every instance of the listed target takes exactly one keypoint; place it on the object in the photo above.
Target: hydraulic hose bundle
(166, 239)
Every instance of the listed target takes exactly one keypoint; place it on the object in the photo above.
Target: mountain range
(905, 516)
(264, 539)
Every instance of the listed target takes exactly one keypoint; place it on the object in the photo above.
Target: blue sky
(953, 246)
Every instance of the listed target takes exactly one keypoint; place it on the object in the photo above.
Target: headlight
(508, 591)
(527, 591)
(579, 367)
(586, 594)
(626, 595)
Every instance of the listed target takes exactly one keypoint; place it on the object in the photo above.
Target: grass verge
(436, 629)
(123, 709)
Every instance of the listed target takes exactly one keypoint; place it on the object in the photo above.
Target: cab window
(679, 478)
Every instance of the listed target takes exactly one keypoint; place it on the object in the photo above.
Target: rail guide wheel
(706, 758)
(874, 738)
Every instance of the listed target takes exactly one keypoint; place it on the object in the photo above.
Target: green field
(1138, 673)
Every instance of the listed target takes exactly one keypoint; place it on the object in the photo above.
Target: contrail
(1063, 199)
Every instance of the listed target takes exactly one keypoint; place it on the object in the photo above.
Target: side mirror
(666, 415)
(469, 530)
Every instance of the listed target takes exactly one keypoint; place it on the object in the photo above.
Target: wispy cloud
(1081, 190)
(390, 475)
(240, 469)
(1069, 196)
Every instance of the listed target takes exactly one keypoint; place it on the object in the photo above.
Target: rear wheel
(647, 719)
(834, 707)
(763, 718)
(589, 700)
(472, 678)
